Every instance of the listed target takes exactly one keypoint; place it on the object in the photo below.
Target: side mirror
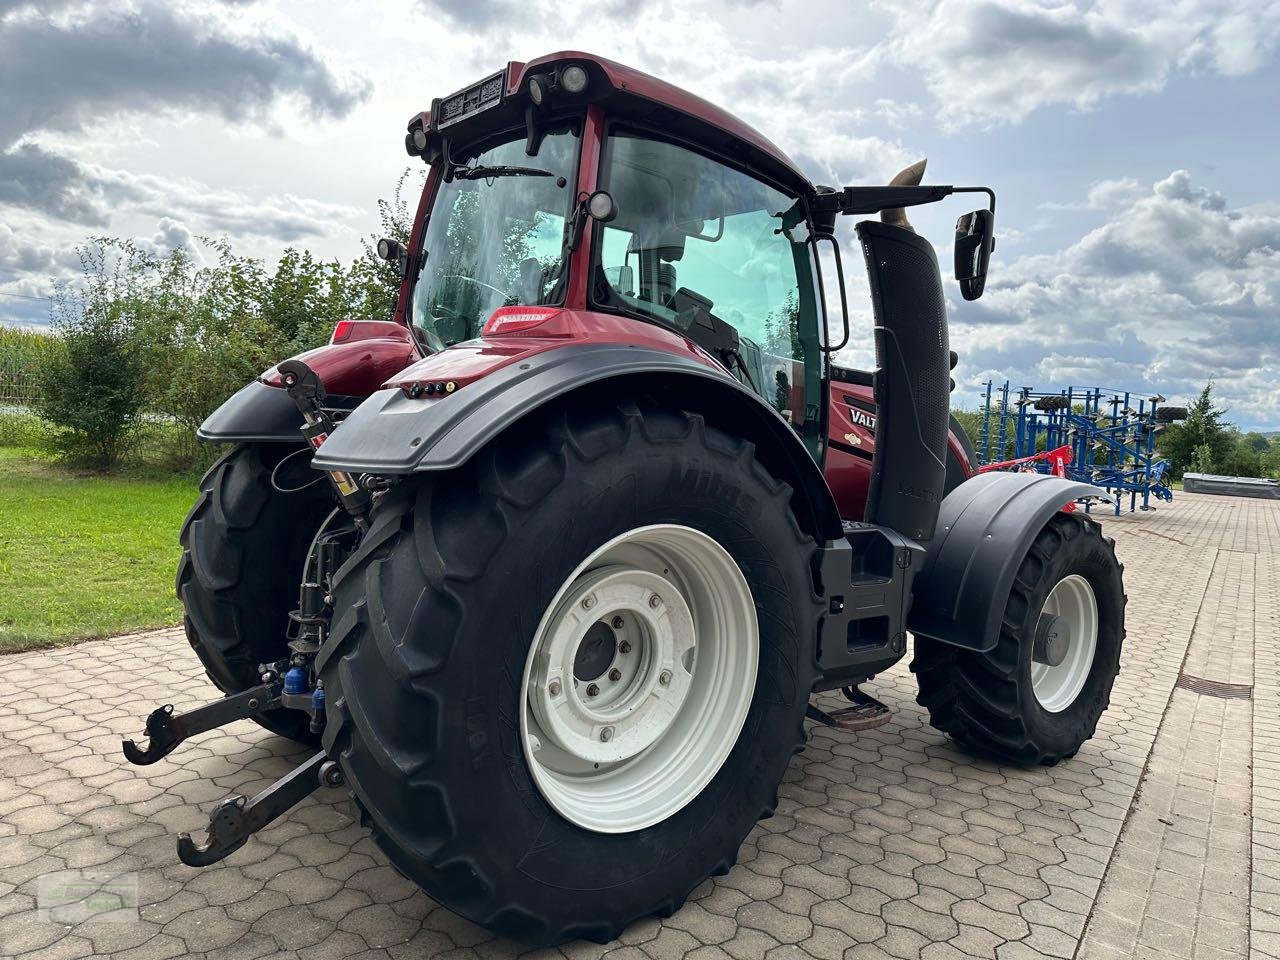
(975, 239)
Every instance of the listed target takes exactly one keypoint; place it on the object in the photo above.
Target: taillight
(515, 319)
(342, 330)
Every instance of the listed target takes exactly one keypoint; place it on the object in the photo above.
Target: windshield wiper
(482, 172)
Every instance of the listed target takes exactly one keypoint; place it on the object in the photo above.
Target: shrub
(91, 381)
(163, 339)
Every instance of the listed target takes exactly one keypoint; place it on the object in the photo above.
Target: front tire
(1013, 701)
(438, 653)
(243, 548)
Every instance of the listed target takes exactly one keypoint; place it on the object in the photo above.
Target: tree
(1257, 441)
(174, 334)
(1180, 442)
(1202, 462)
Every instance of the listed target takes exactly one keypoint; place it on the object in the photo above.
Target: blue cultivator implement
(1111, 436)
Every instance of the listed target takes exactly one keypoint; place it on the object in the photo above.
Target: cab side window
(691, 235)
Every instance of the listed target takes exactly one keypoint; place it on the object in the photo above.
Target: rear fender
(394, 433)
(985, 527)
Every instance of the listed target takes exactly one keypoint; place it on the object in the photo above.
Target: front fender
(254, 413)
(985, 527)
(393, 433)
(259, 413)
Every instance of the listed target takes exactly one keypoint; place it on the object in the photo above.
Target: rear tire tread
(510, 483)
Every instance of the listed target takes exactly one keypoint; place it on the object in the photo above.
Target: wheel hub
(608, 705)
(1052, 640)
(595, 652)
(639, 678)
(1065, 643)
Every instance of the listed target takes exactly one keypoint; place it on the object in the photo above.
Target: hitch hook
(161, 738)
(166, 729)
(236, 819)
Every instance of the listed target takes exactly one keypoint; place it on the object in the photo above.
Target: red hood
(467, 362)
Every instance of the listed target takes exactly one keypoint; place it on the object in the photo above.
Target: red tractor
(547, 567)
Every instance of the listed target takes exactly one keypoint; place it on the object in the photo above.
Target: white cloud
(1104, 195)
(1175, 289)
(66, 72)
(70, 67)
(999, 60)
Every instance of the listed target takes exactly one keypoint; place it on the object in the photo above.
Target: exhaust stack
(912, 378)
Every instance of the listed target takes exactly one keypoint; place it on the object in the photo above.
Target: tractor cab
(697, 224)
(575, 183)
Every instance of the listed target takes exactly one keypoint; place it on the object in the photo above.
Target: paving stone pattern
(1161, 838)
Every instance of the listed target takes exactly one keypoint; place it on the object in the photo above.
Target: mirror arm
(869, 200)
(991, 195)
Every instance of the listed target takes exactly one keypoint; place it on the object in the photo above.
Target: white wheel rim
(1072, 600)
(666, 615)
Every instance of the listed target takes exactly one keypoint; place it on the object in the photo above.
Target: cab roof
(639, 96)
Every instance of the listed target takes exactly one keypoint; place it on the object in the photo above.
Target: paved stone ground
(1161, 838)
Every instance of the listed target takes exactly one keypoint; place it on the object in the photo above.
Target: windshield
(494, 236)
(695, 243)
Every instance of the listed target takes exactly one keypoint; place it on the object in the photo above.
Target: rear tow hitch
(867, 712)
(235, 819)
(166, 729)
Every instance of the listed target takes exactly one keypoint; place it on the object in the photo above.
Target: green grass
(85, 555)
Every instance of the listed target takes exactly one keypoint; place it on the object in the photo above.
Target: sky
(1138, 224)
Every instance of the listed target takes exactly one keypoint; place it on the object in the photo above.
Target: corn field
(20, 352)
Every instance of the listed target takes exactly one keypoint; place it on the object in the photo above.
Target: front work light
(574, 79)
(537, 89)
(601, 207)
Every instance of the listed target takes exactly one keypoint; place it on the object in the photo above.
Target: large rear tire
(243, 548)
(509, 587)
(1011, 701)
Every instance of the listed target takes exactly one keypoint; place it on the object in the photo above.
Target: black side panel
(912, 379)
(984, 529)
(255, 412)
(392, 433)
(866, 582)
(258, 413)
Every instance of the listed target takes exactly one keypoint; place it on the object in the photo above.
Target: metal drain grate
(1215, 688)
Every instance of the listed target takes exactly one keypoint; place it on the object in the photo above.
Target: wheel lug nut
(553, 688)
(615, 674)
(616, 623)
(664, 677)
(624, 647)
(592, 689)
(606, 734)
(588, 603)
(655, 601)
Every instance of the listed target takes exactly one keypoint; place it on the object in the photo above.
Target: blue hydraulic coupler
(317, 709)
(295, 681)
